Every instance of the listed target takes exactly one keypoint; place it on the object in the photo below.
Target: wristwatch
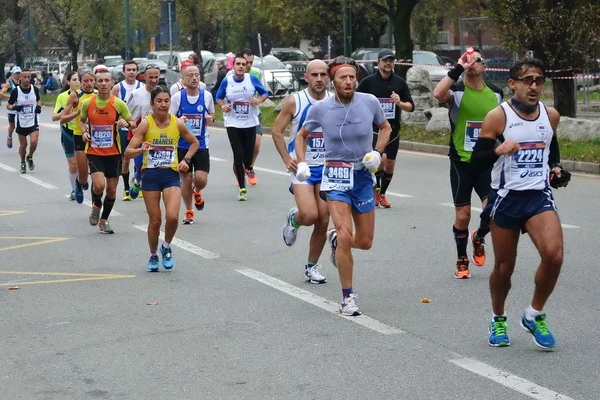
(559, 165)
(188, 161)
(379, 151)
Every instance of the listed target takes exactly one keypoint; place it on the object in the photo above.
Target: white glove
(372, 160)
(302, 172)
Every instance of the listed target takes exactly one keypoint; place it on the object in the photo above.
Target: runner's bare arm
(133, 149)
(115, 90)
(301, 145)
(3, 92)
(283, 120)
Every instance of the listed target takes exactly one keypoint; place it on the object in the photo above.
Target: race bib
(337, 175)
(472, 131)
(529, 161)
(195, 122)
(388, 107)
(28, 109)
(161, 156)
(101, 136)
(241, 109)
(315, 152)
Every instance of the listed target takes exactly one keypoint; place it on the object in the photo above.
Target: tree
(563, 34)
(428, 18)
(12, 30)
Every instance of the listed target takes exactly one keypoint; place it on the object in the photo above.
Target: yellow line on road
(63, 274)
(41, 240)
(77, 277)
(4, 213)
(97, 278)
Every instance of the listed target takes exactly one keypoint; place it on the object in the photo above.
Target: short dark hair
(26, 70)
(239, 55)
(522, 65)
(157, 90)
(130, 62)
(247, 52)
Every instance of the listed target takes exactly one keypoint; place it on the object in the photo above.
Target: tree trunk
(565, 95)
(74, 47)
(404, 43)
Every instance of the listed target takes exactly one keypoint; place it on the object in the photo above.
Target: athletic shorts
(464, 178)
(360, 197)
(259, 126)
(159, 179)
(66, 140)
(391, 149)
(110, 166)
(27, 131)
(78, 143)
(123, 137)
(316, 175)
(200, 160)
(11, 118)
(514, 209)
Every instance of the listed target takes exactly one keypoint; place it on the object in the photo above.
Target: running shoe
(312, 274)
(538, 328)
(498, 336)
(126, 195)
(289, 232)
(134, 190)
(104, 227)
(332, 238)
(198, 200)
(167, 257)
(251, 177)
(377, 192)
(23, 168)
(349, 307)
(478, 249)
(30, 163)
(72, 196)
(383, 203)
(9, 142)
(189, 217)
(462, 268)
(243, 195)
(78, 192)
(153, 263)
(95, 215)
(141, 196)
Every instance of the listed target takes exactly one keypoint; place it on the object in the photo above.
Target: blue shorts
(123, 139)
(361, 196)
(517, 207)
(159, 179)
(66, 140)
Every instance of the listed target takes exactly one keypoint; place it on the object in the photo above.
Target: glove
(556, 182)
(17, 108)
(38, 109)
(302, 172)
(372, 160)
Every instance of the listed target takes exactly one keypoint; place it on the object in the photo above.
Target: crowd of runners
(341, 152)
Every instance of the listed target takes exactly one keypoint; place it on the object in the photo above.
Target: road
(235, 320)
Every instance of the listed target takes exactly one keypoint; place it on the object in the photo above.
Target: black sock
(238, 169)
(126, 181)
(484, 228)
(385, 181)
(107, 207)
(97, 199)
(378, 176)
(462, 238)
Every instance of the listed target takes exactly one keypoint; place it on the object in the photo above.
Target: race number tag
(102, 136)
(315, 152)
(337, 175)
(388, 107)
(241, 109)
(529, 161)
(195, 122)
(28, 109)
(472, 131)
(161, 156)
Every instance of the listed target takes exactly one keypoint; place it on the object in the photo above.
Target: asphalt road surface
(235, 319)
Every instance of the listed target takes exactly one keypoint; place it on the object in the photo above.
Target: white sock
(166, 245)
(72, 178)
(531, 313)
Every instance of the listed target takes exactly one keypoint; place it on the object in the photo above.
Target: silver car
(278, 80)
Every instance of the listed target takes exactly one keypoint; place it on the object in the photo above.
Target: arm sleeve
(209, 102)
(13, 97)
(405, 96)
(554, 156)
(84, 108)
(483, 155)
(222, 92)
(36, 91)
(122, 109)
(258, 86)
(313, 118)
(175, 102)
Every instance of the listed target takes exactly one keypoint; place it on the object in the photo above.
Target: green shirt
(61, 103)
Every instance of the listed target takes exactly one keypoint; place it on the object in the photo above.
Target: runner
(181, 84)
(158, 134)
(66, 130)
(311, 210)
(250, 173)
(346, 120)
(394, 97)
(469, 102)
(5, 93)
(101, 116)
(196, 106)
(25, 101)
(140, 106)
(240, 112)
(123, 90)
(524, 165)
(72, 111)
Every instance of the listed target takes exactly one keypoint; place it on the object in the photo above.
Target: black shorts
(391, 149)
(200, 160)
(464, 178)
(11, 118)
(27, 131)
(110, 166)
(78, 143)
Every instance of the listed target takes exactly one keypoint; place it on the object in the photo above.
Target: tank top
(237, 94)
(125, 89)
(27, 117)
(196, 115)
(528, 168)
(104, 135)
(81, 96)
(163, 145)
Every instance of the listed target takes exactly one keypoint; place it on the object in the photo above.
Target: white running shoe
(332, 238)
(289, 232)
(349, 307)
(312, 275)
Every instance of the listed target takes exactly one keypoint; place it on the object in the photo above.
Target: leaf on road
(425, 300)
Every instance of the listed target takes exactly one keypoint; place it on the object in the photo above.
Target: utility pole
(389, 32)
(127, 32)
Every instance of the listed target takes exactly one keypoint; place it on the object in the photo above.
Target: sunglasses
(151, 66)
(344, 60)
(528, 80)
(479, 60)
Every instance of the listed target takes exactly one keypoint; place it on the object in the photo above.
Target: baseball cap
(385, 54)
(15, 70)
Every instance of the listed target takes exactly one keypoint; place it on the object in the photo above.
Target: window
(443, 37)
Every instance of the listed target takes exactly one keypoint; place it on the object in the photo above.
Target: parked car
(142, 63)
(210, 70)
(277, 77)
(294, 59)
(174, 62)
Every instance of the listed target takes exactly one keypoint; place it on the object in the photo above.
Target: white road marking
(318, 301)
(217, 159)
(38, 182)
(7, 168)
(44, 125)
(89, 204)
(182, 244)
(272, 171)
(388, 193)
(509, 380)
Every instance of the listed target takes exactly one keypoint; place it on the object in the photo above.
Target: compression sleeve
(554, 156)
(483, 155)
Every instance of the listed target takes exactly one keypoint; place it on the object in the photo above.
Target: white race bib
(472, 131)
(528, 163)
(388, 107)
(315, 149)
(241, 109)
(101, 136)
(337, 175)
(161, 156)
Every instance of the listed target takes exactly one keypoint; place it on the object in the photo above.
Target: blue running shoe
(134, 191)
(79, 193)
(498, 336)
(541, 334)
(167, 257)
(153, 263)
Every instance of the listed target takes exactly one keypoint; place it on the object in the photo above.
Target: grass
(49, 98)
